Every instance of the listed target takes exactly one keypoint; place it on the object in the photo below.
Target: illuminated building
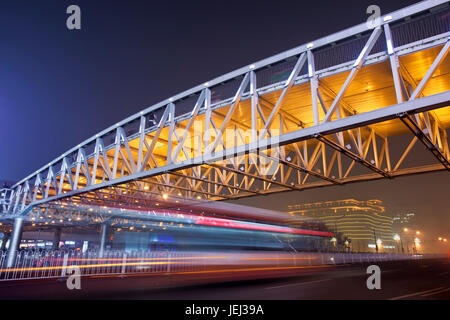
(357, 222)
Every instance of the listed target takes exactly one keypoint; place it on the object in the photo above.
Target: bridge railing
(59, 264)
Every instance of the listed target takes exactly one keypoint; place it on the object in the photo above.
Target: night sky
(60, 87)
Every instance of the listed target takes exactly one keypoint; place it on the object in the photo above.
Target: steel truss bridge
(361, 104)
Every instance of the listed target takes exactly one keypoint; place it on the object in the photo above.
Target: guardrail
(56, 264)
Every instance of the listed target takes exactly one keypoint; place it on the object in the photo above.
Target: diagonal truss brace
(304, 170)
(352, 155)
(412, 125)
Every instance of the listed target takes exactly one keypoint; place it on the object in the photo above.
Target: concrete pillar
(14, 241)
(102, 239)
(56, 239)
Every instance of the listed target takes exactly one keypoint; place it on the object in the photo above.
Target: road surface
(425, 279)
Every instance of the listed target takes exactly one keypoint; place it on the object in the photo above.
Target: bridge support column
(102, 239)
(14, 241)
(56, 239)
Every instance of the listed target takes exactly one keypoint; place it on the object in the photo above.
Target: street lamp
(416, 244)
(379, 242)
(405, 230)
(397, 238)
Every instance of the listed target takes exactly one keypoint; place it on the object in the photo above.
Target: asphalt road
(427, 279)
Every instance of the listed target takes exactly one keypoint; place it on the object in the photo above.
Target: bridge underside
(373, 105)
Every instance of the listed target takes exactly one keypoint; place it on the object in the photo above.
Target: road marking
(415, 294)
(437, 292)
(298, 283)
(443, 273)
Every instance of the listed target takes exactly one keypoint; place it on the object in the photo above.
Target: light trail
(84, 266)
(141, 263)
(217, 271)
(279, 259)
(144, 259)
